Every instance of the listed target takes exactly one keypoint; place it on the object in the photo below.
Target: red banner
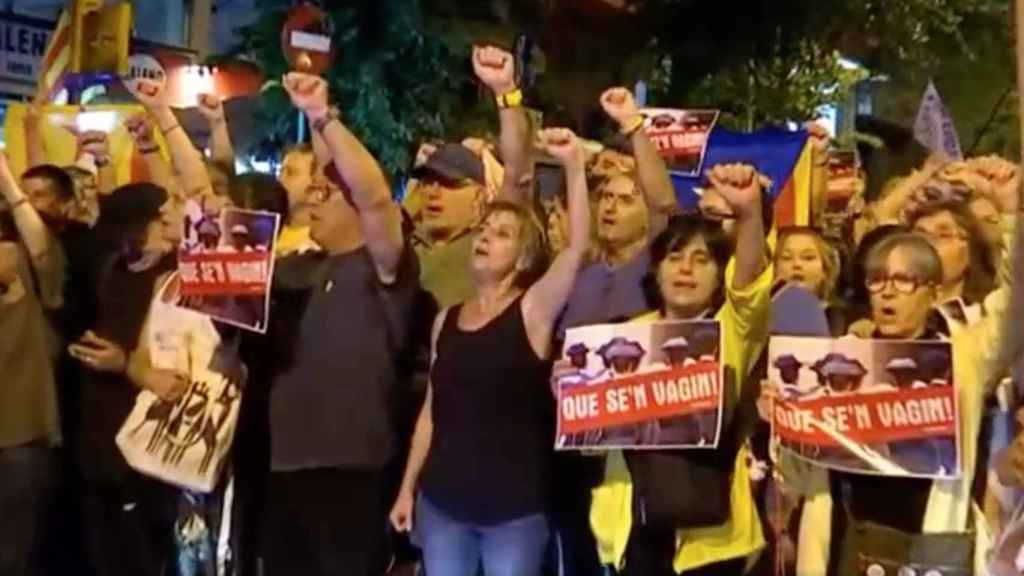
(224, 273)
(869, 418)
(681, 136)
(640, 398)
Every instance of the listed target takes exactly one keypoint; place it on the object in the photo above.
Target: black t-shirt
(334, 374)
(492, 412)
(123, 299)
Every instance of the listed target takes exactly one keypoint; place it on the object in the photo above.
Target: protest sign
(869, 406)
(651, 385)
(226, 263)
(681, 136)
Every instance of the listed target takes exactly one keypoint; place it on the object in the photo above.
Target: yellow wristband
(511, 99)
(632, 126)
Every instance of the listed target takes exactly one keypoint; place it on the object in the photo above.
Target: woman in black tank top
(484, 432)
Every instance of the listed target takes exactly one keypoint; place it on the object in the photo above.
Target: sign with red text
(681, 136)
(226, 263)
(651, 385)
(870, 406)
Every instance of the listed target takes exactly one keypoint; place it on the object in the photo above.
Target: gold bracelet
(513, 99)
(633, 126)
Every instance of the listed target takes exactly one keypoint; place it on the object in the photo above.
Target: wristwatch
(512, 99)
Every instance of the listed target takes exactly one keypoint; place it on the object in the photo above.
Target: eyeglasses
(901, 283)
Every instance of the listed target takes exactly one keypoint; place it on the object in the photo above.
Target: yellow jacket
(744, 323)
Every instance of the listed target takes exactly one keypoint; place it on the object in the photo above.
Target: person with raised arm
(635, 198)
(339, 320)
(185, 158)
(697, 272)
(31, 280)
(488, 389)
(452, 182)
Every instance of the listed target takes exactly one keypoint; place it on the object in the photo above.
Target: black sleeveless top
(493, 416)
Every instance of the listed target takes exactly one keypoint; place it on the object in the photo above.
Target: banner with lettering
(651, 385)
(869, 406)
(681, 136)
(226, 263)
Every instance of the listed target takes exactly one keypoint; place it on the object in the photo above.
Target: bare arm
(380, 217)
(187, 161)
(402, 512)
(107, 179)
(320, 151)
(655, 181)
(30, 226)
(140, 128)
(221, 148)
(544, 300)
(652, 173)
(496, 69)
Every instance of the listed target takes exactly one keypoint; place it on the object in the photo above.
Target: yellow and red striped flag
(56, 57)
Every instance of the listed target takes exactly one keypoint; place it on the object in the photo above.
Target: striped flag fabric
(56, 57)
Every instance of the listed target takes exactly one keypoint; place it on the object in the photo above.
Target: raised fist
(496, 68)
(211, 107)
(1003, 178)
(739, 185)
(563, 145)
(149, 94)
(141, 131)
(619, 105)
(308, 93)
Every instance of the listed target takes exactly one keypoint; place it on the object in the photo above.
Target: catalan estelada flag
(782, 155)
(56, 57)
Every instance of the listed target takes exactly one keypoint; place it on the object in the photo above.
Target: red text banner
(229, 274)
(868, 418)
(640, 398)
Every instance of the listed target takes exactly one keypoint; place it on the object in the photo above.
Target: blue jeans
(453, 548)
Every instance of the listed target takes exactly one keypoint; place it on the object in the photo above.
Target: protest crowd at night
(666, 348)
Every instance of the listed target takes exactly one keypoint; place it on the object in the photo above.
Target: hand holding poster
(226, 263)
(681, 136)
(867, 406)
(655, 385)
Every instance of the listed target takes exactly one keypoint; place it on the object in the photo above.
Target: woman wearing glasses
(905, 279)
(967, 272)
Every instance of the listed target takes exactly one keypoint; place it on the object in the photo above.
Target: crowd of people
(404, 381)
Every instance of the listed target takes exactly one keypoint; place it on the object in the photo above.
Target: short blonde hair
(828, 253)
(534, 251)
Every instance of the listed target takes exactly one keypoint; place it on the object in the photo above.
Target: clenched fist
(495, 68)
(308, 93)
(563, 145)
(619, 105)
(739, 185)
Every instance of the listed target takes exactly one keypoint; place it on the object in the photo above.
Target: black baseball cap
(453, 162)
